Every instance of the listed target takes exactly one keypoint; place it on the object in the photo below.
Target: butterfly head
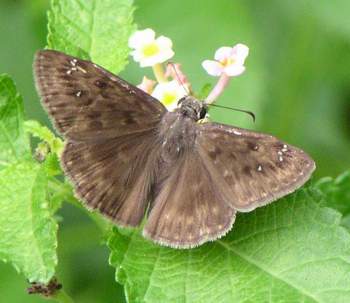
(192, 108)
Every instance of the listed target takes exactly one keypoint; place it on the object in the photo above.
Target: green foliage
(14, 142)
(44, 134)
(338, 191)
(293, 250)
(204, 92)
(27, 230)
(95, 30)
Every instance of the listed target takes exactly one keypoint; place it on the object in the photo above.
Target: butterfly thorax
(192, 108)
(177, 133)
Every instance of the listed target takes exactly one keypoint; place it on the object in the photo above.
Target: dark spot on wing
(247, 170)
(94, 115)
(214, 153)
(252, 146)
(129, 120)
(96, 124)
(101, 84)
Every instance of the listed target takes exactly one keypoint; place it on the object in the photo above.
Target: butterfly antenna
(179, 78)
(236, 109)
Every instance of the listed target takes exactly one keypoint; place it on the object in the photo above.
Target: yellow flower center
(168, 98)
(227, 61)
(150, 50)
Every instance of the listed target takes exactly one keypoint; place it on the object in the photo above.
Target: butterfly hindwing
(252, 168)
(87, 102)
(188, 209)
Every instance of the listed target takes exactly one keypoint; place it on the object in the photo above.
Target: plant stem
(218, 89)
(159, 73)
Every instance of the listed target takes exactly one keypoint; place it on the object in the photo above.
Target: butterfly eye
(203, 112)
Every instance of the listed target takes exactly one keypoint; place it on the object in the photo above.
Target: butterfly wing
(114, 175)
(110, 127)
(86, 102)
(188, 209)
(250, 168)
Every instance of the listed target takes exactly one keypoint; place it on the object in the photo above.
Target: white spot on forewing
(259, 168)
(69, 72)
(81, 69)
(279, 153)
(73, 62)
(78, 94)
(280, 158)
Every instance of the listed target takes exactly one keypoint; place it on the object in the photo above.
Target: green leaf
(27, 230)
(43, 133)
(96, 29)
(14, 143)
(337, 191)
(290, 251)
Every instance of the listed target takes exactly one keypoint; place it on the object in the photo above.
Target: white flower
(169, 93)
(229, 60)
(149, 51)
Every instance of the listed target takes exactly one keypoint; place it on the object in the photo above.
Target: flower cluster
(171, 83)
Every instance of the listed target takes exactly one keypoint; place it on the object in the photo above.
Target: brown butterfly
(127, 156)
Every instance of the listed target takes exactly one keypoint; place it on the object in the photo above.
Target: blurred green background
(297, 82)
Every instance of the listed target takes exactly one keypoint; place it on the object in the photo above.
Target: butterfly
(129, 157)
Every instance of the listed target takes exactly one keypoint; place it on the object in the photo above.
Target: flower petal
(142, 37)
(213, 68)
(169, 93)
(234, 70)
(223, 53)
(240, 53)
(164, 42)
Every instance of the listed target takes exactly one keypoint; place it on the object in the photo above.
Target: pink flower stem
(218, 89)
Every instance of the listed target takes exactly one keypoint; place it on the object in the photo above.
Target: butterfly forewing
(252, 168)
(110, 128)
(87, 102)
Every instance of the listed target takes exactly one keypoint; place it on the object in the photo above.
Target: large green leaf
(27, 230)
(93, 29)
(337, 191)
(14, 143)
(290, 251)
